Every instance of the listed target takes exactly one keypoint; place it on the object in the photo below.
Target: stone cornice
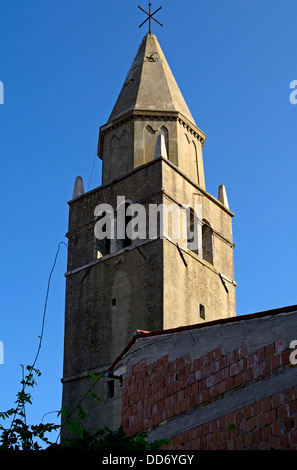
(145, 165)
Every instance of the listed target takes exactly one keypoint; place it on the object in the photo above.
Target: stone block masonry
(227, 398)
(152, 154)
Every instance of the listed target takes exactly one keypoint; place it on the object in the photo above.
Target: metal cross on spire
(150, 17)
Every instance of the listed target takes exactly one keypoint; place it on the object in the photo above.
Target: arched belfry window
(103, 243)
(207, 242)
(120, 154)
(165, 132)
(149, 143)
(122, 238)
(128, 218)
(192, 231)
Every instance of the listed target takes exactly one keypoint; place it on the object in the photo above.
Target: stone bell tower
(151, 151)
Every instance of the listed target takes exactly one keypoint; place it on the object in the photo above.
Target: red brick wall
(156, 393)
(270, 423)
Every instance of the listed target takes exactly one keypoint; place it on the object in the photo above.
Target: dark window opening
(202, 311)
(102, 246)
(207, 242)
(113, 302)
(192, 233)
(128, 218)
(125, 240)
(110, 389)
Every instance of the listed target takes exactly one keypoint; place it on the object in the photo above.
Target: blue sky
(62, 64)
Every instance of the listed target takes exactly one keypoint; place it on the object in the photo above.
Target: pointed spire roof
(150, 84)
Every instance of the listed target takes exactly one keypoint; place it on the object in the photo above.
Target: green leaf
(81, 412)
(95, 396)
(95, 377)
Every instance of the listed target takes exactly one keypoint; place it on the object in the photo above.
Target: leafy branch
(20, 436)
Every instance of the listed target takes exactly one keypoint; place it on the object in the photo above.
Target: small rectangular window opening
(202, 311)
(110, 389)
(113, 302)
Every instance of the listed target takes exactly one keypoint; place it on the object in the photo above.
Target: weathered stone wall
(112, 289)
(188, 287)
(140, 286)
(190, 280)
(99, 414)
